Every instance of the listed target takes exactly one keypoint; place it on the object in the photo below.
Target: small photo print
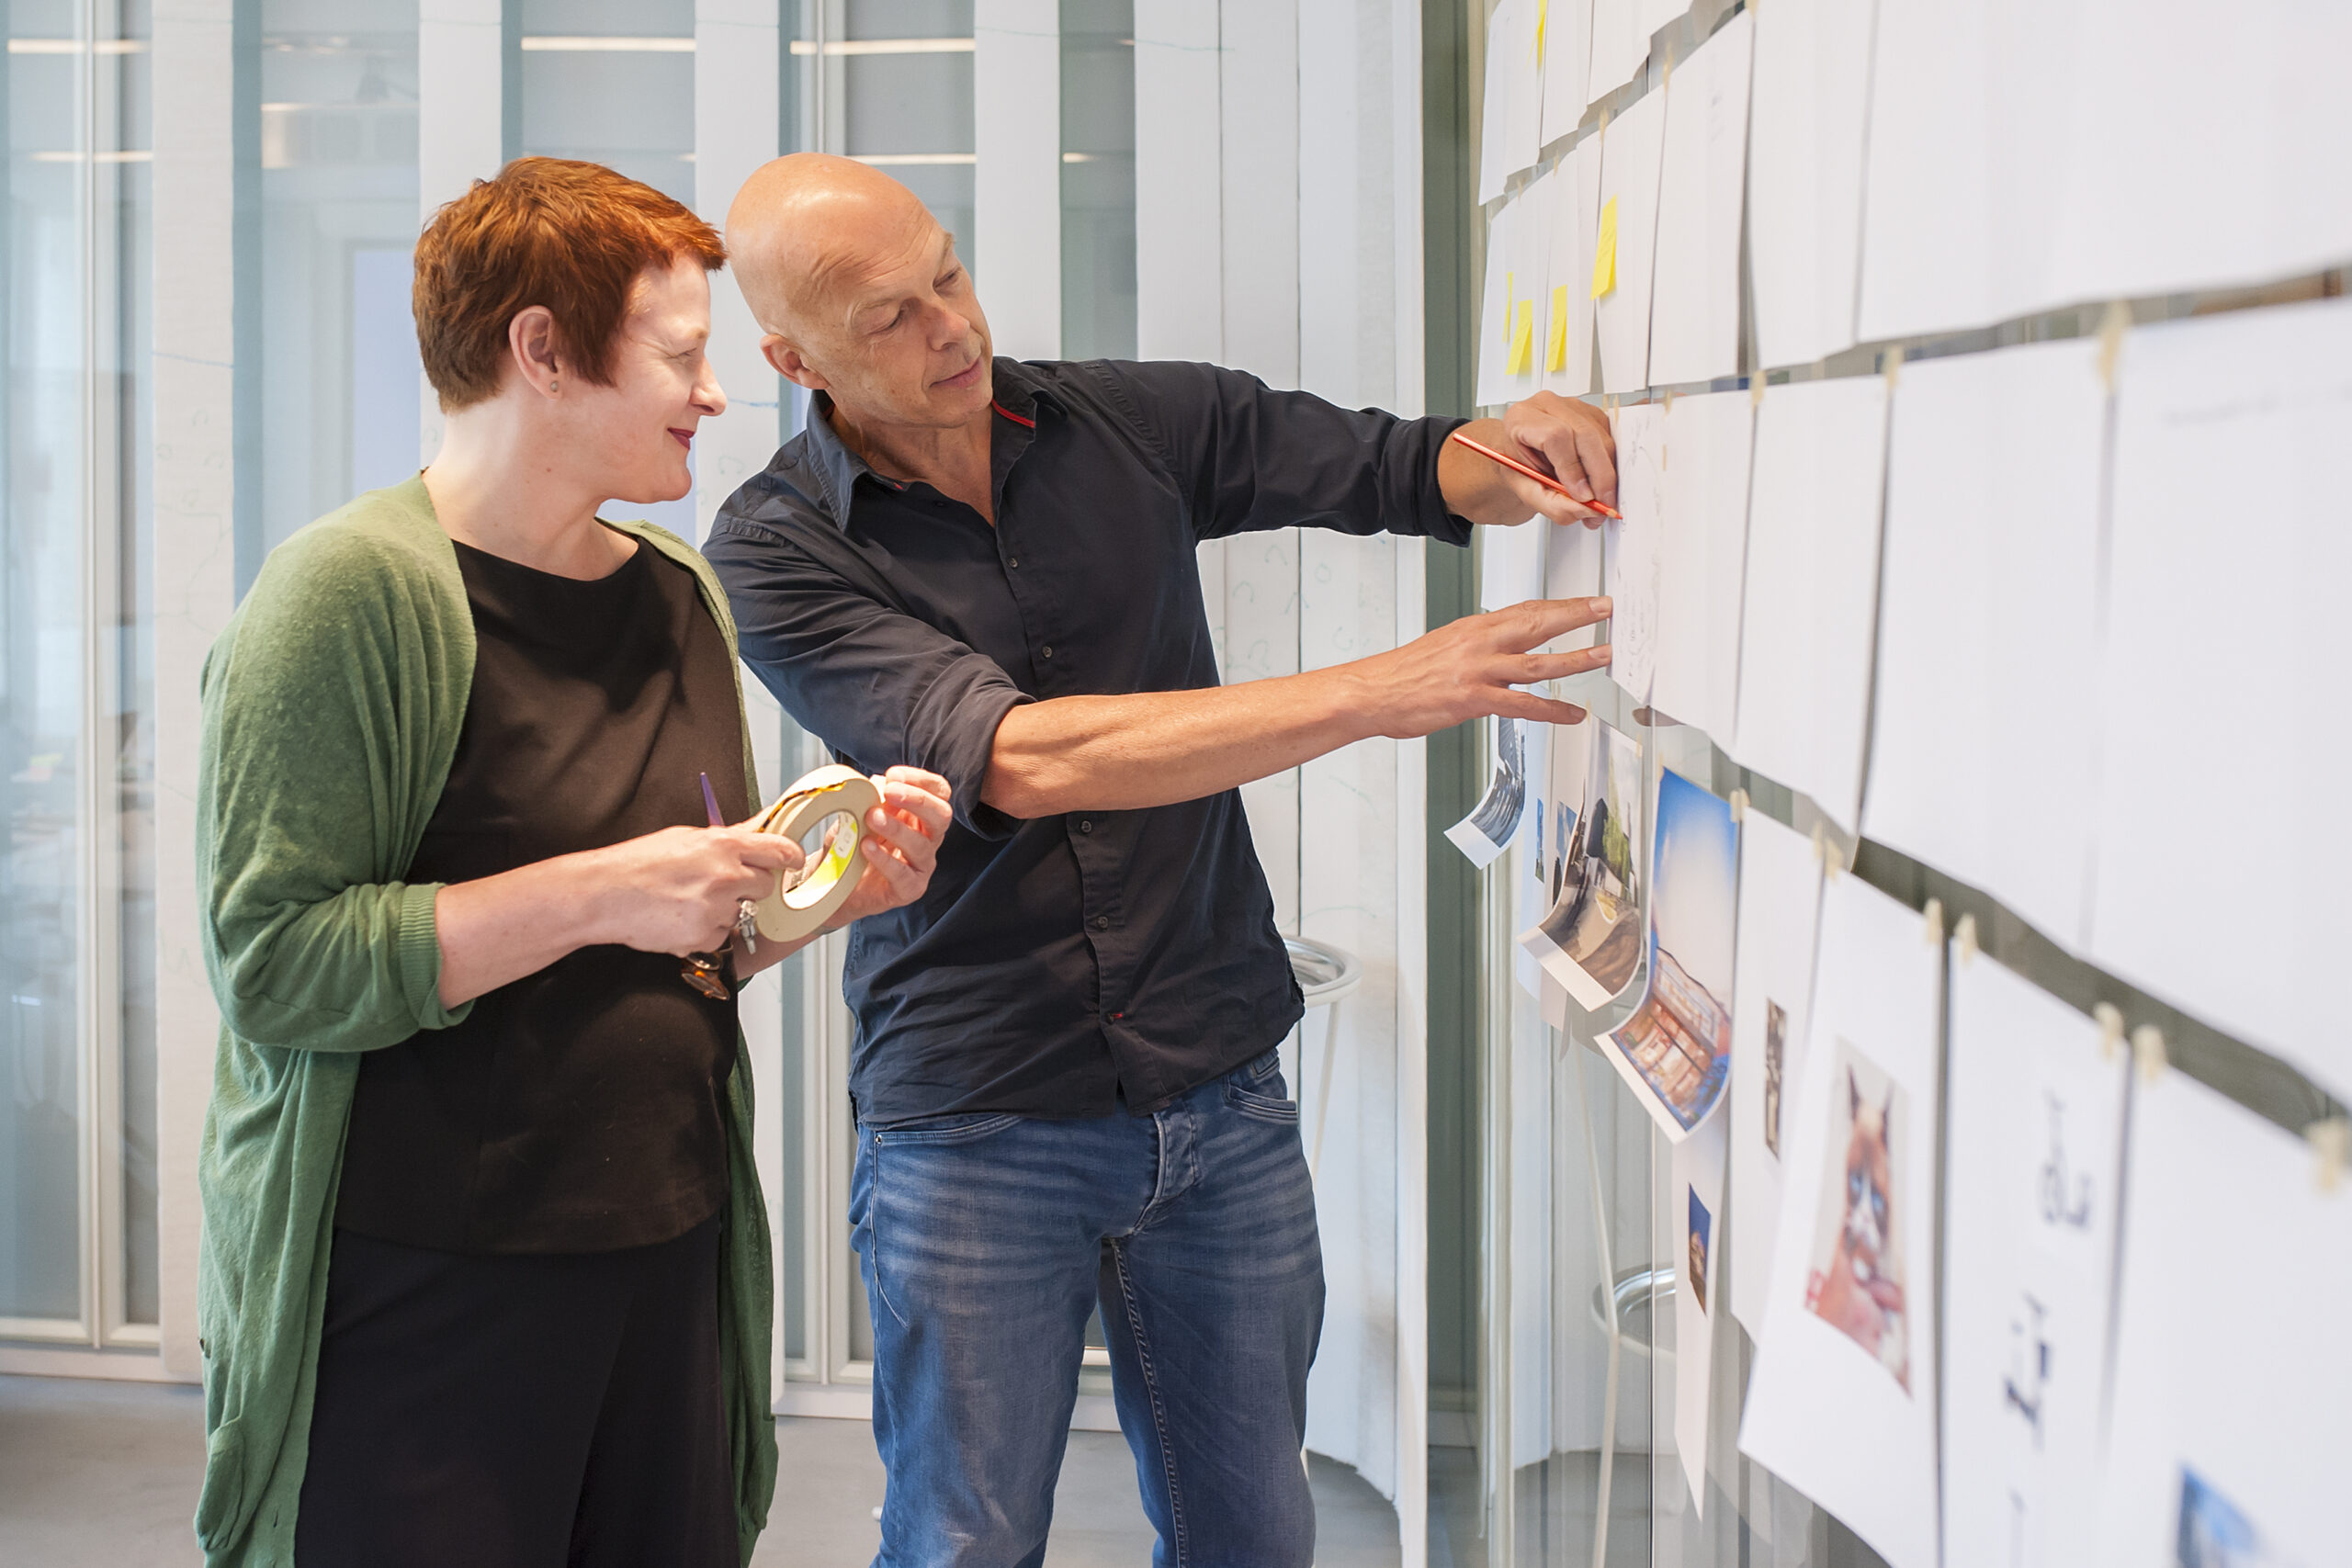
(1703, 1226)
(1856, 1284)
(2215, 1532)
(1775, 1040)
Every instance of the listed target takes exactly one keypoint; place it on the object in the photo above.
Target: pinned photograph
(1676, 1048)
(1703, 1227)
(2215, 1532)
(1856, 1284)
(1590, 939)
(1494, 822)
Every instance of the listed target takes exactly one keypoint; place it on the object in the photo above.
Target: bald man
(1065, 1078)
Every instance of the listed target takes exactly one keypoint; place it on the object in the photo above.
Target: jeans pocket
(1265, 1066)
(962, 1127)
(1261, 1107)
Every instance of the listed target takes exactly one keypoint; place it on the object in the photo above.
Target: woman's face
(637, 432)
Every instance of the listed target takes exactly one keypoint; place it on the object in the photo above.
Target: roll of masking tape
(824, 813)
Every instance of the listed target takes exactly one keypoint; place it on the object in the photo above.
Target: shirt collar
(1018, 395)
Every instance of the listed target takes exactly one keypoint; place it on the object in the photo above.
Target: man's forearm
(1125, 753)
(1479, 488)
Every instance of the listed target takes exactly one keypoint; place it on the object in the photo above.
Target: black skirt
(519, 1410)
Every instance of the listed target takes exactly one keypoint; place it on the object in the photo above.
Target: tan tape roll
(824, 813)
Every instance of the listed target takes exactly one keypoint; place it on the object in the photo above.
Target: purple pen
(710, 803)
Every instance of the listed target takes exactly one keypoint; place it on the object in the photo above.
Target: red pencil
(1546, 481)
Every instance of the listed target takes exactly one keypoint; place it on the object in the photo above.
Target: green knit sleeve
(330, 718)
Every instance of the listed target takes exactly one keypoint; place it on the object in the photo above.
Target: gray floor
(105, 1474)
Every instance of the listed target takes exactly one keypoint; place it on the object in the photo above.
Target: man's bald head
(859, 292)
(804, 221)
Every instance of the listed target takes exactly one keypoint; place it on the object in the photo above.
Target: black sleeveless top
(581, 1109)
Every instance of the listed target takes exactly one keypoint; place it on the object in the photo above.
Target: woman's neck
(508, 491)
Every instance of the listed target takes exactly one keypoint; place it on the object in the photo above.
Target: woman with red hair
(484, 1276)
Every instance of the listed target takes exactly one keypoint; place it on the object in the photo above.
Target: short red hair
(553, 232)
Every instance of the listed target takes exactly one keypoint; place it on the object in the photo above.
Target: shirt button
(1013, 563)
(1100, 922)
(1086, 825)
(1049, 651)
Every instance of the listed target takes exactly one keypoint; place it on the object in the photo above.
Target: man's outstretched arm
(1125, 753)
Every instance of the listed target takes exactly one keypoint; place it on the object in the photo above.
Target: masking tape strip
(2111, 1029)
(803, 903)
(2331, 1142)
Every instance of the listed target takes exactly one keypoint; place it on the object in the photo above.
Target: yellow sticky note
(1557, 357)
(1510, 292)
(1543, 11)
(1604, 251)
(1522, 340)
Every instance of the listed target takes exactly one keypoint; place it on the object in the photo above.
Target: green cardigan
(331, 705)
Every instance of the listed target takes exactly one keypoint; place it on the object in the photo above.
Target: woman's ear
(531, 342)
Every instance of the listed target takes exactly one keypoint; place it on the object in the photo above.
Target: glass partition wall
(324, 131)
(77, 1035)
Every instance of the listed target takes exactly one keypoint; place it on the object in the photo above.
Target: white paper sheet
(1987, 654)
(1532, 241)
(1511, 564)
(1841, 1403)
(1511, 121)
(1779, 903)
(1515, 249)
(1708, 440)
(1969, 109)
(1635, 547)
(1674, 1050)
(2034, 1150)
(1572, 211)
(1572, 571)
(1805, 176)
(1702, 168)
(1568, 56)
(2231, 1362)
(1697, 1167)
(2226, 605)
(2272, 154)
(1629, 159)
(1620, 47)
(1652, 15)
(1807, 613)
(1495, 305)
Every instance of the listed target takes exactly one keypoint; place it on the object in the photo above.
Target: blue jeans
(986, 1240)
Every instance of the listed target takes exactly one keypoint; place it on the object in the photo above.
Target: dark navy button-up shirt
(1055, 965)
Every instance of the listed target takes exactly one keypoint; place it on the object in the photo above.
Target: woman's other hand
(902, 843)
(679, 890)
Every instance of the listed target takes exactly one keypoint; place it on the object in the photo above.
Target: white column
(194, 375)
(737, 54)
(1408, 619)
(1179, 243)
(736, 101)
(1017, 173)
(460, 128)
(1260, 67)
(1179, 297)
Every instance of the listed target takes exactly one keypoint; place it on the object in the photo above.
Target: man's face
(892, 329)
